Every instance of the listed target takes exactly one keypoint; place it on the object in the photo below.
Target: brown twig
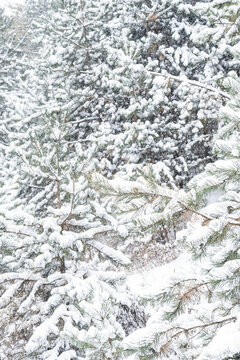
(187, 330)
(72, 205)
(13, 232)
(187, 293)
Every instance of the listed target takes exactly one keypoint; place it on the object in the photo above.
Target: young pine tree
(59, 266)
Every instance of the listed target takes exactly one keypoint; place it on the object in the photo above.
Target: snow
(116, 255)
(109, 88)
(225, 343)
(10, 5)
(151, 282)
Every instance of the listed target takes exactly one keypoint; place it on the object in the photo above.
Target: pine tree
(197, 315)
(134, 62)
(158, 115)
(11, 55)
(56, 297)
(90, 66)
(59, 259)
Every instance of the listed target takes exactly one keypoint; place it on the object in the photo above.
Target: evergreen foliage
(58, 269)
(88, 89)
(198, 313)
(157, 114)
(126, 69)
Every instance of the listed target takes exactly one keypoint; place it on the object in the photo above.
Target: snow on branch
(166, 337)
(113, 254)
(152, 203)
(192, 82)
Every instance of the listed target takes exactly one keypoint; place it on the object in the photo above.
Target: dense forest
(120, 180)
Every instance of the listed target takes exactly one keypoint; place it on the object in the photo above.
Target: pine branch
(207, 218)
(192, 82)
(14, 232)
(187, 330)
(32, 186)
(115, 255)
(91, 118)
(66, 37)
(137, 190)
(185, 296)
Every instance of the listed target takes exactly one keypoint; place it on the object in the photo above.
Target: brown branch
(25, 162)
(37, 147)
(207, 218)
(186, 330)
(61, 260)
(187, 293)
(59, 202)
(13, 232)
(72, 205)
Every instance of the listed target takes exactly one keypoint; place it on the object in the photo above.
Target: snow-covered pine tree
(197, 315)
(56, 296)
(124, 110)
(59, 267)
(176, 139)
(53, 283)
(162, 118)
(11, 55)
(35, 8)
(12, 66)
(4, 21)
